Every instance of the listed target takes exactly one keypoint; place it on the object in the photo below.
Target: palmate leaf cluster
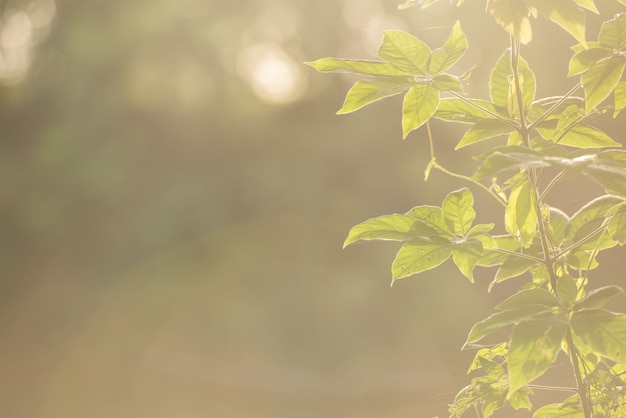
(543, 140)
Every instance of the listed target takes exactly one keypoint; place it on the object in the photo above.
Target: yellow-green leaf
(613, 33)
(452, 51)
(326, 65)
(534, 346)
(458, 210)
(564, 13)
(405, 52)
(520, 217)
(365, 92)
(513, 16)
(419, 255)
(393, 227)
(420, 103)
(601, 331)
(600, 80)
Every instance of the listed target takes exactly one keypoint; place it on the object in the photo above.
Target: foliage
(555, 313)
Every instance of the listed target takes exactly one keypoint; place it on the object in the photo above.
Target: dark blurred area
(175, 192)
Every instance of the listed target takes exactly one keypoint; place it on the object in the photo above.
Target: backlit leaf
(405, 52)
(585, 136)
(613, 33)
(420, 103)
(457, 110)
(600, 80)
(389, 227)
(499, 81)
(601, 331)
(534, 346)
(520, 217)
(569, 409)
(432, 217)
(454, 48)
(365, 92)
(513, 16)
(355, 66)
(564, 13)
(465, 255)
(446, 82)
(458, 210)
(484, 129)
(597, 298)
(503, 319)
(583, 60)
(536, 296)
(419, 255)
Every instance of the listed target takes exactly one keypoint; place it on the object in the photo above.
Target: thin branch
(520, 255)
(551, 184)
(581, 241)
(554, 106)
(479, 107)
(434, 164)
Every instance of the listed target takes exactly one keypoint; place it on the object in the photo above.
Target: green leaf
(588, 4)
(568, 409)
(564, 13)
(509, 158)
(365, 92)
(419, 255)
(326, 65)
(447, 82)
(589, 217)
(457, 110)
(513, 16)
(613, 33)
(556, 225)
(501, 320)
(432, 217)
(601, 331)
(452, 51)
(499, 85)
(597, 298)
(520, 216)
(536, 296)
(405, 52)
(513, 266)
(520, 399)
(534, 346)
(466, 255)
(620, 98)
(585, 136)
(484, 129)
(420, 103)
(600, 80)
(389, 227)
(584, 59)
(608, 170)
(617, 224)
(491, 257)
(458, 210)
(567, 289)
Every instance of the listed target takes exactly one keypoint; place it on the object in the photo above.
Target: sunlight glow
(272, 73)
(20, 31)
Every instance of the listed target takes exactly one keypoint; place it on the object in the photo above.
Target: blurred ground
(175, 192)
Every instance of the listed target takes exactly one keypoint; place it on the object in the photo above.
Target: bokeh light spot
(272, 73)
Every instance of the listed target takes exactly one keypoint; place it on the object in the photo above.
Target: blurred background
(175, 191)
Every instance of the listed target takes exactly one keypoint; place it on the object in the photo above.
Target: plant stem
(434, 164)
(477, 106)
(554, 106)
(583, 391)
